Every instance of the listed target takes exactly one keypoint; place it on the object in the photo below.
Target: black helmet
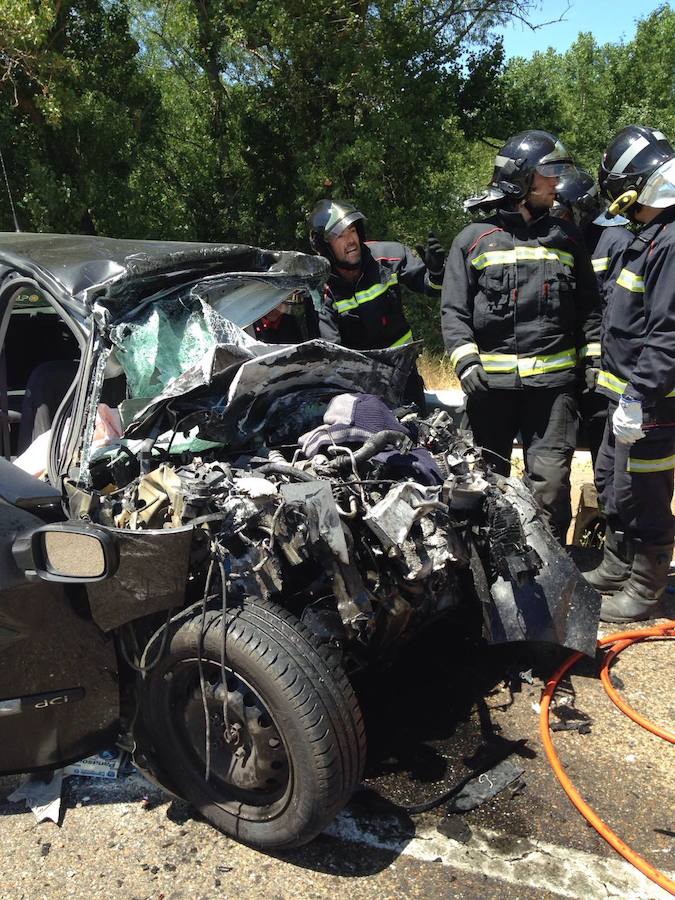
(515, 165)
(627, 167)
(578, 195)
(331, 217)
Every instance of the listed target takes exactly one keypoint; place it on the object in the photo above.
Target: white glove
(627, 421)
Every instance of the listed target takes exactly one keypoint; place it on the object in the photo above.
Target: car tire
(301, 738)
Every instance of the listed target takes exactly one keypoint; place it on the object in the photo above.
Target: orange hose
(618, 701)
(623, 639)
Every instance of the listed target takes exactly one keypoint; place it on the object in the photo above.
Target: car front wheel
(286, 744)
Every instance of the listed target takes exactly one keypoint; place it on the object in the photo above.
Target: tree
(78, 109)
(590, 92)
(300, 99)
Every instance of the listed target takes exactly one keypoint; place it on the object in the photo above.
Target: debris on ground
(571, 719)
(42, 792)
(105, 764)
(485, 786)
(580, 727)
(454, 827)
(42, 797)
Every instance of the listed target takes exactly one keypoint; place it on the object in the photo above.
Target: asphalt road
(432, 719)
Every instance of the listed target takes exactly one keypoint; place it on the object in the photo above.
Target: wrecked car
(225, 531)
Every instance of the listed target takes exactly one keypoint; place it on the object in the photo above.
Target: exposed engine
(366, 540)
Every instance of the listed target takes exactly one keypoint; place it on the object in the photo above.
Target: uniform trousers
(593, 409)
(635, 483)
(547, 420)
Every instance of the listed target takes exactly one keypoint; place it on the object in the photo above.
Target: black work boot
(614, 570)
(639, 599)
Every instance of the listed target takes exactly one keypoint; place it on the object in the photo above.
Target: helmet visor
(606, 221)
(659, 190)
(488, 199)
(335, 229)
(556, 168)
(560, 209)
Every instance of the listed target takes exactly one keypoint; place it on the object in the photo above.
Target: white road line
(515, 860)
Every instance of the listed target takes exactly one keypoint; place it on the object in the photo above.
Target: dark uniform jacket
(290, 327)
(368, 315)
(521, 299)
(606, 256)
(284, 330)
(638, 332)
(591, 234)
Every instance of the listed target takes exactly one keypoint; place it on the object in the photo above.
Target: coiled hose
(616, 643)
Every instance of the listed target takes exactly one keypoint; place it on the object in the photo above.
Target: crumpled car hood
(187, 357)
(232, 389)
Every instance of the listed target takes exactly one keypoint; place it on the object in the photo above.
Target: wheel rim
(250, 775)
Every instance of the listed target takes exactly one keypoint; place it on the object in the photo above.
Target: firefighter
(519, 309)
(614, 237)
(634, 472)
(617, 233)
(578, 200)
(362, 306)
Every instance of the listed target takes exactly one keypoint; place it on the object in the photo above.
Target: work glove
(474, 380)
(627, 420)
(591, 374)
(433, 254)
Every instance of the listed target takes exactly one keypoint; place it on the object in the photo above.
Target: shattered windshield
(163, 329)
(164, 314)
(186, 356)
(167, 338)
(173, 331)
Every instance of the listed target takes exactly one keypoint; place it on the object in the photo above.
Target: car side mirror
(67, 552)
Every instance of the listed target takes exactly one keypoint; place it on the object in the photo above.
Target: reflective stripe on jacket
(521, 299)
(638, 330)
(368, 314)
(614, 387)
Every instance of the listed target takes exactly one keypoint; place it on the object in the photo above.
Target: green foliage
(221, 119)
(590, 92)
(76, 110)
(229, 119)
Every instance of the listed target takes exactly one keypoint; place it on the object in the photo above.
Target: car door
(59, 699)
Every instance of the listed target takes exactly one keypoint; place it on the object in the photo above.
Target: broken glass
(167, 338)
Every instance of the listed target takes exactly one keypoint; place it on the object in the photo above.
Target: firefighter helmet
(515, 164)
(577, 195)
(638, 167)
(329, 218)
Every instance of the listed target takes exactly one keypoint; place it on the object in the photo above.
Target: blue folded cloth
(419, 464)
